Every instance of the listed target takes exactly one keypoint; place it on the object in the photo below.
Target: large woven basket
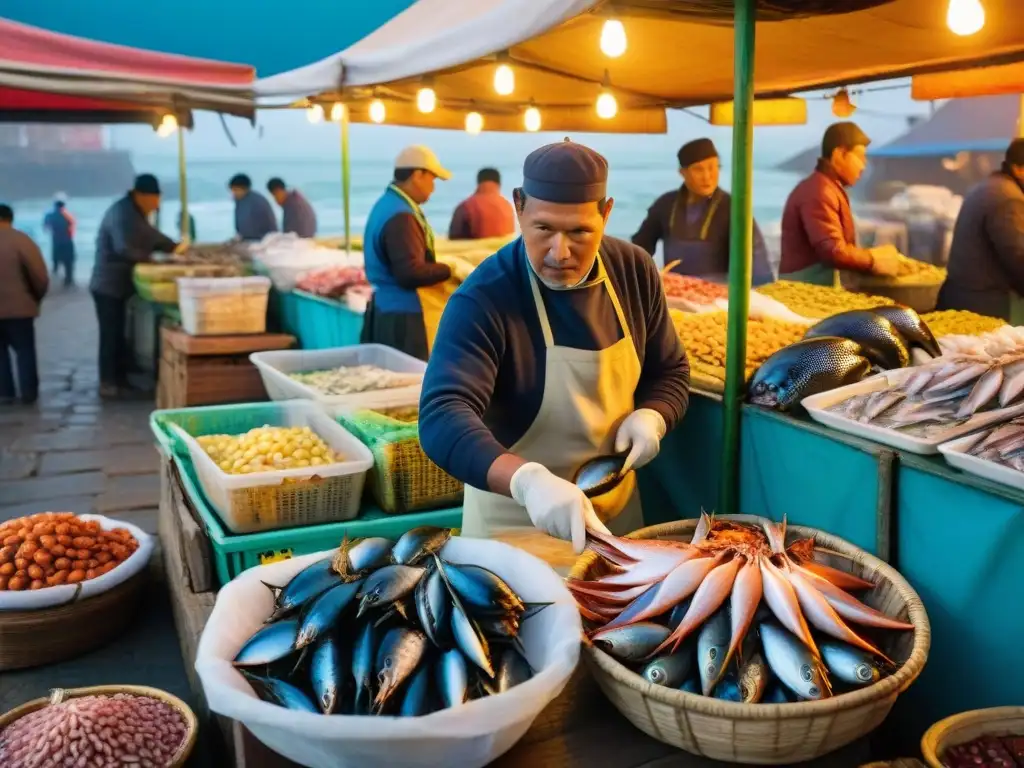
(62, 694)
(967, 726)
(771, 734)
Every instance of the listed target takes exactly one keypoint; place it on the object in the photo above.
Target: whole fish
(782, 599)
(469, 640)
(417, 543)
(753, 676)
(966, 375)
(400, 653)
(747, 592)
(849, 664)
(670, 670)
(985, 390)
(849, 607)
(911, 327)
(997, 435)
(712, 646)
(793, 663)
(917, 381)
(652, 569)
(271, 643)
(281, 693)
(319, 617)
(807, 368)
(513, 669)
(433, 606)
(853, 407)
(728, 690)
(453, 678)
(498, 628)
(416, 700)
(637, 549)
(923, 414)
(631, 643)
(678, 585)
(1013, 383)
(878, 338)
(479, 589)
(609, 595)
(841, 579)
(369, 553)
(599, 475)
(708, 598)
(305, 585)
(325, 666)
(388, 584)
(363, 654)
(880, 405)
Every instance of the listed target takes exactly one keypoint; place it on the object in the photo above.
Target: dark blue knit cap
(565, 172)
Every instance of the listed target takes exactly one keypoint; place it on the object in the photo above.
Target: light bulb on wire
(531, 119)
(426, 100)
(842, 106)
(613, 39)
(315, 113)
(337, 111)
(377, 111)
(965, 17)
(474, 123)
(607, 106)
(168, 125)
(504, 80)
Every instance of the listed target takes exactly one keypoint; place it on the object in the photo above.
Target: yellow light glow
(426, 100)
(315, 114)
(531, 119)
(377, 111)
(168, 125)
(613, 39)
(474, 123)
(607, 107)
(504, 80)
(965, 17)
(842, 106)
(337, 111)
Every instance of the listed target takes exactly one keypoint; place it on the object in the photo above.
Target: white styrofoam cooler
(275, 366)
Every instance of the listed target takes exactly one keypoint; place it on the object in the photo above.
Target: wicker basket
(45, 636)
(770, 734)
(967, 726)
(61, 694)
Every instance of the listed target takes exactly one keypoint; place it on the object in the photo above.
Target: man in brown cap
(557, 349)
(818, 232)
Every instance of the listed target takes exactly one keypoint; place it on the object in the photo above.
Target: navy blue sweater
(485, 379)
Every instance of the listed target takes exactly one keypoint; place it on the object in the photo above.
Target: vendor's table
(317, 323)
(207, 370)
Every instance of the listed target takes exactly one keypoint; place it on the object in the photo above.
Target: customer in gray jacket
(986, 259)
(23, 283)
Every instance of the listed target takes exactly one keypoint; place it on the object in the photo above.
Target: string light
(965, 17)
(168, 125)
(474, 123)
(377, 111)
(841, 104)
(315, 113)
(426, 99)
(504, 80)
(613, 39)
(531, 119)
(607, 107)
(337, 111)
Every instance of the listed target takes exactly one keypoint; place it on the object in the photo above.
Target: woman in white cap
(557, 349)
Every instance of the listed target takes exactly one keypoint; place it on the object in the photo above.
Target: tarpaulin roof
(985, 123)
(678, 54)
(46, 75)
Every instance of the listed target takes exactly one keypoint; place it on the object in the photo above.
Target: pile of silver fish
(947, 391)
(1003, 445)
(690, 616)
(841, 349)
(388, 627)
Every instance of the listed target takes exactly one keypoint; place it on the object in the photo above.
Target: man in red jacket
(818, 233)
(485, 213)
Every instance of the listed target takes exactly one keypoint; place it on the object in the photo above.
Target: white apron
(587, 394)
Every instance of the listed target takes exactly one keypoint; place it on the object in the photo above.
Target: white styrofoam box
(223, 305)
(274, 367)
(955, 453)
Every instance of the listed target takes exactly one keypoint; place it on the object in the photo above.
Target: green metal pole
(740, 249)
(183, 182)
(346, 176)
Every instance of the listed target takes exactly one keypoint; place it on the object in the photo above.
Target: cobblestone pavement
(73, 452)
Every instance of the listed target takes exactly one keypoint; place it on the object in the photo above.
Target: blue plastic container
(321, 323)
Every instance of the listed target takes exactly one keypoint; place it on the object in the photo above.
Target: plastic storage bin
(216, 306)
(275, 366)
(264, 501)
(321, 323)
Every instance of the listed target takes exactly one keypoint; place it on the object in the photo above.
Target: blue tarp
(268, 34)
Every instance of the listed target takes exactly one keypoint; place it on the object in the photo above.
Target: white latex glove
(554, 505)
(640, 433)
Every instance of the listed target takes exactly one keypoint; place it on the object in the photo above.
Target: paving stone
(87, 408)
(129, 492)
(146, 519)
(75, 438)
(17, 466)
(81, 419)
(42, 488)
(80, 505)
(122, 460)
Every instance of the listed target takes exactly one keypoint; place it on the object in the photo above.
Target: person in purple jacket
(557, 349)
(297, 214)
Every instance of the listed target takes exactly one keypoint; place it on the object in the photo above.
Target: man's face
(280, 195)
(147, 203)
(238, 192)
(701, 178)
(421, 185)
(849, 164)
(561, 239)
(1017, 171)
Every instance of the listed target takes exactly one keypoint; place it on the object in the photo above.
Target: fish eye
(711, 670)
(656, 675)
(387, 662)
(864, 672)
(805, 673)
(813, 690)
(713, 654)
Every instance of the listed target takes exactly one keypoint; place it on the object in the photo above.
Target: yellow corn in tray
(818, 301)
(703, 335)
(960, 322)
(266, 449)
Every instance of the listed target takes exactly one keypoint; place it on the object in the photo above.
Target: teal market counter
(958, 539)
(316, 322)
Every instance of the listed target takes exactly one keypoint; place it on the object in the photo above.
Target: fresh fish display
(363, 634)
(911, 327)
(807, 368)
(878, 338)
(1002, 445)
(734, 609)
(600, 475)
(850, 665)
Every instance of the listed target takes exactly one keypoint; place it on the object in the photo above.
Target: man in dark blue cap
(254, 218)
(692, 222)
(125, 238)
(557, 349)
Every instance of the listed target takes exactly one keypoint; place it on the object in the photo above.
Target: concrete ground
(73, 452)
